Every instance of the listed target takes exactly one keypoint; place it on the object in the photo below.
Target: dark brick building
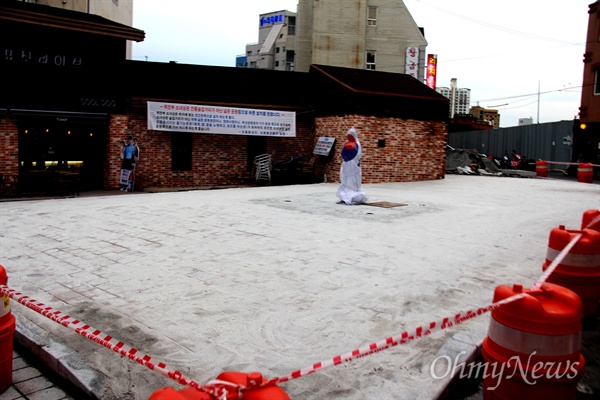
(69, 96)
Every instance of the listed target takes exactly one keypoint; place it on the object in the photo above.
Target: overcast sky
(501, 50)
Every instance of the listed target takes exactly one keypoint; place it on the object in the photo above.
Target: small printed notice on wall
(323, 146)
(176, 117)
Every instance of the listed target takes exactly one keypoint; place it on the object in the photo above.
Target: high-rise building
(276, 43)
(460, 98)
(120, 11)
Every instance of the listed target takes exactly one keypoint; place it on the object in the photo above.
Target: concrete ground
(273, 279)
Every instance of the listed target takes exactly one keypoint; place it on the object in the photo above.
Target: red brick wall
(282, 149)
(9, 151)
(414, 150)
(217, 160)
(118, 130)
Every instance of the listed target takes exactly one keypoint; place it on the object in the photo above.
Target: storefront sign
(431, 70)
(412, 62)
(22, 55)
(176, 117)
(271, 20)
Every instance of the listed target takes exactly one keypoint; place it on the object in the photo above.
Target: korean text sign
(175, 117)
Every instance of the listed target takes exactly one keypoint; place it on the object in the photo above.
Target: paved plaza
(274, 279)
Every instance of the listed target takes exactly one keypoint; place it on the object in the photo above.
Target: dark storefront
(60, 149)
(60, 84)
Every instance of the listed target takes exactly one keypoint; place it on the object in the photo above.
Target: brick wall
(118, 129)
(9, 152)
(217, 160)
(302, 145)
(414, 150)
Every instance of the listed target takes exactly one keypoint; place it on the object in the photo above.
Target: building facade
(275, 49)
(525, 121)
(373, 35)
(120, 11)
(586, 133)
(467, 122)
(487, 115)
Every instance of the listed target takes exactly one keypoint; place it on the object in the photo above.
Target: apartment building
(460, 98)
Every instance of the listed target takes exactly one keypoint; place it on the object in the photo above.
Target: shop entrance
(61, 154)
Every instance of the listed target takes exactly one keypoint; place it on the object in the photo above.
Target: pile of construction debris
(469, 162)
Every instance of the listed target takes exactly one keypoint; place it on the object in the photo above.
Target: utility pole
(538, 105)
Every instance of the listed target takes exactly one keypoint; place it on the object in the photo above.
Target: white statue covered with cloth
(350, 190)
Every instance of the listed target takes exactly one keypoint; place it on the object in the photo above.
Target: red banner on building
(431, 70)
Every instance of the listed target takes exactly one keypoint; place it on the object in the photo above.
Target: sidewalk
(273, 279)
(32, 381)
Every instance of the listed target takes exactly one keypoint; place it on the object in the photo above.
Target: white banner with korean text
(175, 117)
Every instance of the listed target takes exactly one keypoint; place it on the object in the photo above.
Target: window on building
(291, 25)
(252, 64)
(597, 82)
(277, 63)
(370, 64)
(181, 151)
(371, 16)
(277, 50)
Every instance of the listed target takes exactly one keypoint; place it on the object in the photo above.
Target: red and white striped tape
(216, 388)
(569, 163)
(392, 341)
(220, 389)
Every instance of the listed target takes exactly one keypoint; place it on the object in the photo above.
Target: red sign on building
(431, 70)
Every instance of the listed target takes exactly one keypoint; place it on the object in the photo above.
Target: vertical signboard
(431, 70)
(412, 62)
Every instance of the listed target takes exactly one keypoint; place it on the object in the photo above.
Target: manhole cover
(385, 204)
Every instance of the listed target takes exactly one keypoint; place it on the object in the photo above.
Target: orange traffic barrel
(184, 394)
(585, 173)
(541, 168)
(250, 382)
(533, 346)
(589, 221)
(7, 329)
(579, 270)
